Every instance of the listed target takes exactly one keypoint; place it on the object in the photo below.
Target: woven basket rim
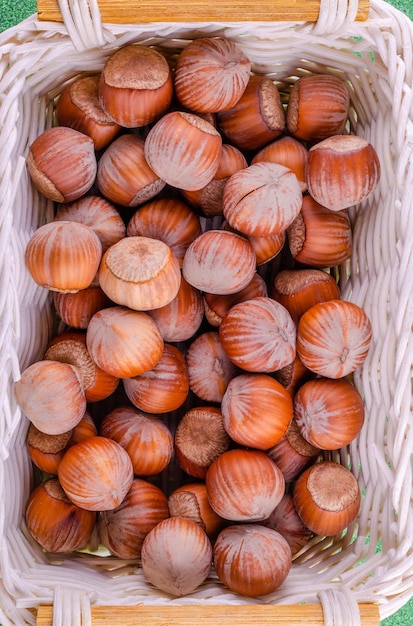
(376, 59)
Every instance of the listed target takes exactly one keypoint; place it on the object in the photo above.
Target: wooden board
(143, 11)
(230, 615)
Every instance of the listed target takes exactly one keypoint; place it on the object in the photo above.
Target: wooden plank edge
(144, 11)
(211, 615)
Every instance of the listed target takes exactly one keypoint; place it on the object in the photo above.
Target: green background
(14, 11)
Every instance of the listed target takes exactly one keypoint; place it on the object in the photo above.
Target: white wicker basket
(376, 58)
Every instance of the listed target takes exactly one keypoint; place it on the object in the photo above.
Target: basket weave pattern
(376, 58)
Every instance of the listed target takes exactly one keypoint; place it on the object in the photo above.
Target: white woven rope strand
(335, 15)
(376, 59)
(83, 22)
(66, 612)
(339, 607)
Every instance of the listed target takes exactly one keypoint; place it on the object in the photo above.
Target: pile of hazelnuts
(201, 213)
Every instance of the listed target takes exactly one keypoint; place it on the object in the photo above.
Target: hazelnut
(165, 387)
(124, 342)
(244, 485)
(262, 199)
(298, 289)
(176, 556)
(140, 273)
(62, 163)
(327, 498)
(257, 410)
(146, 438)
(190, 500)
(78, 107)
(136, 85)
(51, 395)
(55, 522)
(184, 150)
(251, 559)
(258, 335)
(77, 309)
(96, 474)
(181, 318)
(63, 256)
(200, 438)
(333, 338)
(318, 107)
(211, 74)
(320, 237)
(209, 368)
(257, 118)
(219, 262)
(329, 413)
(124, 175)
(342, 171)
